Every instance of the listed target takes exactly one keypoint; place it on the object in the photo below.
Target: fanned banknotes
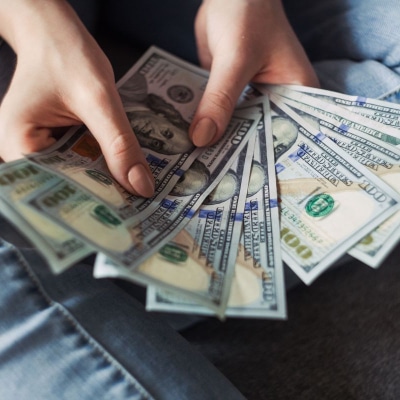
(18, 179)
(258, 285)
(199, 262)
(343, 116)
(328, 201)
(382, 159)
(130, 242)
(380, 111)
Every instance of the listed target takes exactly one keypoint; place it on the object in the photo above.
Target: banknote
(328, 201)
(379, 110)
(130, 242)
(160, 94)
(258, 284)
(199, 262)
(382, 159)
(344, 118)
(17, 180)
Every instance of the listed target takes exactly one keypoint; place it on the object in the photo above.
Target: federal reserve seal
(180, 94)
(104, 215)
(173, 253)
(320, 205)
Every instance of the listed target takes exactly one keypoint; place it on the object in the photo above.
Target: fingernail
(204, 132)
(141, 180)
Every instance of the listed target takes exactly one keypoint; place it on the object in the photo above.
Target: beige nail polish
(141, 180)
(204, 132)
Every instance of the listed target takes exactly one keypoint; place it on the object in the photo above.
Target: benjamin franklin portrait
(194, 180)
(156, 123)
(284, 133)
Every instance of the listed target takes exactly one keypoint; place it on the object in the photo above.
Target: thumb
(226, 83)
(120, 147)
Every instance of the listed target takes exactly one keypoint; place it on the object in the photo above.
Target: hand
(63, 78)
(242, 41)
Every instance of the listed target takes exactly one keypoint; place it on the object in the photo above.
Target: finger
(26, 121)
(125, 159)
(228, 77)
(201, 35)
(18, 135)
(26, 139)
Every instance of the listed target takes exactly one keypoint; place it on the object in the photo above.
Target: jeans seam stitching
(80, 330)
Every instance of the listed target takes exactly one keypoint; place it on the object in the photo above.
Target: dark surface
(341, 340)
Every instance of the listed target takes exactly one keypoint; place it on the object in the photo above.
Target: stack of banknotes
(301, 176)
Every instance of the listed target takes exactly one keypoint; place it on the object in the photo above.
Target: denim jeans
(74, 337)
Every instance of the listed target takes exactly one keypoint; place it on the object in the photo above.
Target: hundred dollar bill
(382, 159)
(381, 111)
(258, 284)
(160, 94)
(343, 117)
(17, 180)
(328, 201)
(129, 242)
(199, 262)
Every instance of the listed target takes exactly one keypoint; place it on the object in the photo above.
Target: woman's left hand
(242, 41)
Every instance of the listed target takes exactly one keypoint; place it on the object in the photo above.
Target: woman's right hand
(63, 78)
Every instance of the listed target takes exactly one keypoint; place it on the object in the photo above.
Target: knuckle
(121, 144)
(221, 101)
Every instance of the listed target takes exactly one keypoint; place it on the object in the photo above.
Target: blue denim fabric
(354, 45)
(74, 337)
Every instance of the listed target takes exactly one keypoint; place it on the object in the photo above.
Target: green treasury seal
(320, 205)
